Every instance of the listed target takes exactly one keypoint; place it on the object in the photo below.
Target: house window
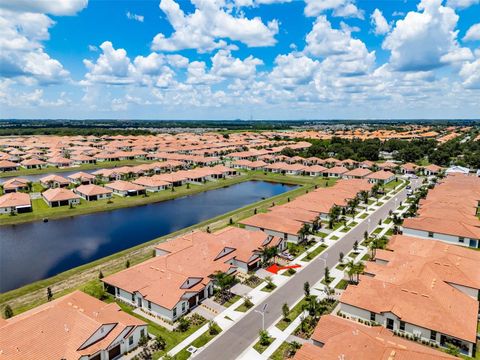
(372, 316)
(175, 312)
(149, 304)
(142, 333)
(461, 240)
(402, 325)
(285, 236)
(433, 335)
(183, 307)
(130, 341)
(133, 297)
(430, 234)
(117, 290)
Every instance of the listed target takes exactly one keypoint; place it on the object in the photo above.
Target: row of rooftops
(420, 281)
(290, 217)
(164, 279)
(450, 208)
(335, 338)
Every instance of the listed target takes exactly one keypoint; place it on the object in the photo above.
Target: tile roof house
(381, 177)
(125, 188)
(15, 184)
(449, 212)
(336, 338)
(181, 275)
(15, 202)
(92, 192)
(60, 197)
(82, 178)
(75, 326)
(54, 181)
(426, 290)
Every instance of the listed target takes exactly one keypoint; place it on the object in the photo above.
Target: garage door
(114, 352)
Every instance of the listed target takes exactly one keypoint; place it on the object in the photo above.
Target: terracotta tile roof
(415, 285)
(121, 185)
(14, 199)
(54, 178)
(59, 328)
(380, 175)
(344, 339)
(92, 189)
(59, 194)
(450, 208)
(194, 255)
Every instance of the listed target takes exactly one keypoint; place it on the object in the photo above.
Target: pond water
(38, 250)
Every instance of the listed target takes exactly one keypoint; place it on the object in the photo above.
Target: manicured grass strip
(280, 352)
(342, 284)
(313, 254)
(198, 343)
(232, 301)
(266, 289)
(378, 230)
(334, 237)
(261, 348)
(292, 315)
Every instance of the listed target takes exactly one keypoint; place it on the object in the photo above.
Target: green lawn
(280, 352)
(313, 254)
(198, 343)
(387, 220)
(366, 257)
(232, 301)
(334, 237)
(261, 348)
(268, 290)
(321, 234)
(378, 230)
(173, 338)
(294, 313)
(298, 249)
(392, 184)
(342, 284)
(243, 308)
(363, 216)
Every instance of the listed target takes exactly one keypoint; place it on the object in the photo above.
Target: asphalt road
(234, 341)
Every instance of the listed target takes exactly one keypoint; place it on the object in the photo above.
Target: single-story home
(6, 165)
(82, 178)
(33, 164)
(337, 171)
(75, 326)
(432, 169)
(15, 202)
(381, 177)
(54, 181)
(15, 184)
(125, 188)
(60, 197)
(358, 173)
(152, 184)
(92, 192)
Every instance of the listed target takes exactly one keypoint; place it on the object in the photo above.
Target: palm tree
(373, 245)
(350, 266)
(364, 195)
(334, 214)
(268, 252)
(329, 292)
(304, 231)
(359, 268)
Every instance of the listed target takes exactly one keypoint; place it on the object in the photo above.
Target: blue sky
(228, 59)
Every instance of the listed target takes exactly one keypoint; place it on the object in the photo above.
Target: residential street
(232, 343)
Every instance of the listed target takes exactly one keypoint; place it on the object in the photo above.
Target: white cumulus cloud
(426, 39)
(380, 24)
(473, 33)
(342, 8)
(209, 26)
